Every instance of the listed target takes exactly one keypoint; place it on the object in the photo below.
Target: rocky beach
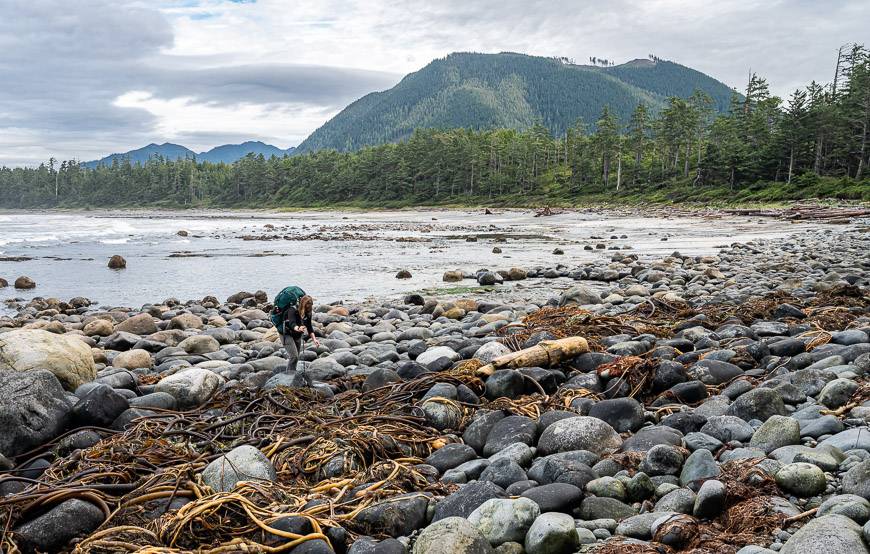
(627, 403)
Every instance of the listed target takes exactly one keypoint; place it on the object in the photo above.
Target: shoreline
(691, 371)
(534, 205)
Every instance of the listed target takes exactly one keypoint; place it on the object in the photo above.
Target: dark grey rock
(506, 383)
(99, 407)
(509, 430)
(503, 472)
(594, 507)
(464, 501)
(478, 430)
(451, 456)
(555, 497)
(760, 404)
(699, 466)
(33, 410)
(831, 534)
(857, 480)
(396, 516)
(710, 500)
(54, 529)
(622, 414)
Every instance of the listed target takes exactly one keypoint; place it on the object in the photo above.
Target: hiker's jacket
(293, 320)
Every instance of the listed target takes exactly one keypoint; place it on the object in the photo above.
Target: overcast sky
(87, 78)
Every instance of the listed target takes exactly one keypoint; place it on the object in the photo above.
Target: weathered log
(546, 353)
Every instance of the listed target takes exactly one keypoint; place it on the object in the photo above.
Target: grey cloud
(64, 68)
(63, 64)
(269, 83)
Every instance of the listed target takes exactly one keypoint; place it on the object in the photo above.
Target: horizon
(206, 73)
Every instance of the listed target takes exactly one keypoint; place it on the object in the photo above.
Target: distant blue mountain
(227, 153)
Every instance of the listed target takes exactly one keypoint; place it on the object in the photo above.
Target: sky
(81, 80)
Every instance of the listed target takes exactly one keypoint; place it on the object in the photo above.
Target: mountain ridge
(512, 90)
(224, 153)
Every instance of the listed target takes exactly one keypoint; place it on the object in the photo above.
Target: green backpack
(289, 296)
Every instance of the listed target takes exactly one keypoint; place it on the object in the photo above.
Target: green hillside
(488, 91)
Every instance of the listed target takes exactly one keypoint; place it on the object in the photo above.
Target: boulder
(200, 344)
(579, 433)
(190, 387)
(491, 350)
(33, 410)
(450, 456)
(777, 431)
(99, 328)
(139, 324)
(324, 369)
(452, 276)
(395, 516)
(579, 295)
(452, 535)
(759, 403)
(801, 479)
(552, 533)
(699, 466)
(133, 359)
(857, 480)
(436, 352)
(54, 529)
(502, 520)
(67, 357)
(465, 500)
(555, 497)
(623, 414)
(117, 262)
(831, 534)
(186, 321)
(25, 283)
(99, 407)
(243, 463)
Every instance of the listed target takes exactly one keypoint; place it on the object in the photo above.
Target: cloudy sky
(87, 78)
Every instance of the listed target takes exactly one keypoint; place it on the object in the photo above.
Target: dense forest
(815, 142)
(509, 91)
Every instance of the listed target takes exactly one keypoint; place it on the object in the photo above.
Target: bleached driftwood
(546, 353)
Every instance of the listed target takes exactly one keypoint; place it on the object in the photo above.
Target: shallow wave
(114, 241)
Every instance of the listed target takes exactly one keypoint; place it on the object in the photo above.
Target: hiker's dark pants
(293, 346)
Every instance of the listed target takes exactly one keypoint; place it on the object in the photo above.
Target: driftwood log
(546, 353)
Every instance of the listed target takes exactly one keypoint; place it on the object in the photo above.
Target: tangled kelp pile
(833, 309)
(333, 458)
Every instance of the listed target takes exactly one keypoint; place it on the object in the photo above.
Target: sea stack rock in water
(117, 262)
(25, 283)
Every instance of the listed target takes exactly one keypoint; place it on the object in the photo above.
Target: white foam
(114, 241)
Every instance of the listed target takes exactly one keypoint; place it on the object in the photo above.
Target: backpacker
(289, 296)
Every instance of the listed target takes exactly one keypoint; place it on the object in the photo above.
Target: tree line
(819, 131)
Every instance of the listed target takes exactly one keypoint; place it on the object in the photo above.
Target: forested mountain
(166, 150)
(509, 91)
(817, 143)
(227, 153)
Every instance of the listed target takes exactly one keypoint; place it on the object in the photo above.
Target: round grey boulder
(831, 534)
(552, 533)
(243, 463)
(777, 431)
(502, 520)
(801, 479)
(449, 536)
(579, 433)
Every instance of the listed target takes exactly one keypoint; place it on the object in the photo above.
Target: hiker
(292, 317)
